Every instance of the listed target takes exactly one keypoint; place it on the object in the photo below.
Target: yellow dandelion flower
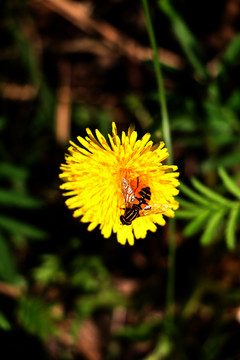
(122, 186)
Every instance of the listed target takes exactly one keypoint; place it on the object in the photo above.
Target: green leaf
(13, 172)
(231, 186)
(212, 227)
(162, 350)
(104, 121)
(15, 198)
(106, 298)
(28, 56)
(212, 195)
(143, 330)
(194, 226)
(232, 227)
(193, 195)
(232, 103)
(35, 316)
(4, 323)
(187, 204)
(227, 161)
(17, 227)
(49, 271)
(186, 214)
(135, 105)
(89, 273)
(231, 54)
(8, 271)
(187, 40)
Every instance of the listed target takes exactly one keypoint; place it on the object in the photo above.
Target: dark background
(66, 293)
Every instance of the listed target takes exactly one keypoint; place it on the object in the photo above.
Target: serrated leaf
(231, 227)
(197, 224)
(212, 195)
(229, 183)
(212, 227)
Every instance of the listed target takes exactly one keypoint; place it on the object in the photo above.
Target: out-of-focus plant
(85, 277)
(53, 294)
(211, 212)
(14, 231)
(14, 199)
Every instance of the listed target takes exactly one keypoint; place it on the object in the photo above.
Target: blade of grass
(185, 37)
(167, 137)
(159, 77)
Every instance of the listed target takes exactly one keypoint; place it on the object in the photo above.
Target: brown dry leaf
(19, 92)
(80, 16)
(89, 341)
(63, 107)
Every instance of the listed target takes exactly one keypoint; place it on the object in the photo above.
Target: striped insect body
(137, 203)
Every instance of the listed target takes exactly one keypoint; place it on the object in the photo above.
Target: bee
(136, 204)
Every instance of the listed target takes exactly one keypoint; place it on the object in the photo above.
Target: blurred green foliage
(55, 277)
(209, 209)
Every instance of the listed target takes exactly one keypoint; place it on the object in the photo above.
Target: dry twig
(80, 16)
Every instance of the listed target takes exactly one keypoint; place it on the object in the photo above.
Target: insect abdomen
(145, 193)
(139, 202)
(145, 196)
(129, 215)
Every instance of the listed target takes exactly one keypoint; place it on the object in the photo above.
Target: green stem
(159, 77)
(171, 270)
(167, 139)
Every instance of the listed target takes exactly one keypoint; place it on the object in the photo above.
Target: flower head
(93, 180)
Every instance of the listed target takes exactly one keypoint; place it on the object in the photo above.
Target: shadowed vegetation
(66, 293)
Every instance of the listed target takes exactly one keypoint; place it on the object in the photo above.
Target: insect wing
(128, 193)
(154, 209)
